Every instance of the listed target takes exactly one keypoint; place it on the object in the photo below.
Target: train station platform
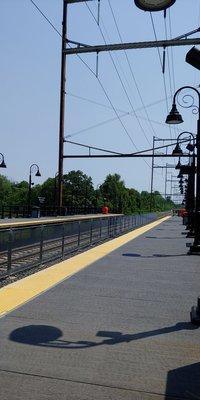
(108, 324)
(22, 222)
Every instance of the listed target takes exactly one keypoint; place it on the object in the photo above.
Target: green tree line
(78, 191)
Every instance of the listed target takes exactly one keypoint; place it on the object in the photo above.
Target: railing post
(108, 226)
(2, 212)
(115, 226)
(91, 226)
(63, 241)
(41, 242)
(79, 233)
(122, 223)
(100, 228)
(10, 243)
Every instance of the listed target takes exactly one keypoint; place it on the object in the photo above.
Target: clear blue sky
(30, 80)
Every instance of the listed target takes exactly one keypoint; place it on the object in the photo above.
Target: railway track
(22, 249)
(29, 256)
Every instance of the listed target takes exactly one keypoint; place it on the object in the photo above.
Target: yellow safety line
(20, 292)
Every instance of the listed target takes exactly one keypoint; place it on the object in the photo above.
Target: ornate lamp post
(175, 118)
(190, 170)
(35, 168)
(2, 163)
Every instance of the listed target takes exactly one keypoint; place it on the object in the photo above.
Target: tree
(114, 193)
(6, 190)
(78, 190)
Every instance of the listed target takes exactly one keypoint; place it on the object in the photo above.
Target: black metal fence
(25, 247)
(43, 211)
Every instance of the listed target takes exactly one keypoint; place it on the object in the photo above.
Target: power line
(131, 69)
(172, 64)
(88, 67)
(106, 106)
(163, 75)
(118, 74)
(109, 120)
(169, 66)
(47, 19)
(172, 53)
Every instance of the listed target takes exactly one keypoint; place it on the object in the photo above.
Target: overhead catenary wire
(118, 74)
(163, 75)
(45, 17)
(131, 69)
(107, 121)
(107, 106)
(169, 65)
(172, 53)
(94, 74)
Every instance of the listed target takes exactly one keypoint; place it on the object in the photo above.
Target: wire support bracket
(81, 48)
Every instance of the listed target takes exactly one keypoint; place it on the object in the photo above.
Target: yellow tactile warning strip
(57, 220)
(20, 292)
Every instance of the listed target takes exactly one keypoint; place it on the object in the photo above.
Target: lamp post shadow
(50, 336)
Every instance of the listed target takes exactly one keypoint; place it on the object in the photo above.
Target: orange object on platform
(104, 210)
(181, 212)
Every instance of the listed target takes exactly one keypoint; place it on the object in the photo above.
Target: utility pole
(78, 48)
(166, 181)
(152, 171)
(62, 106)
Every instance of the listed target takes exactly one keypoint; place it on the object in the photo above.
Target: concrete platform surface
(117, 330)
(18, 222)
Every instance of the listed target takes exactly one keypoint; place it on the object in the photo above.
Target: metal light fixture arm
(189, 133)
(191, 105)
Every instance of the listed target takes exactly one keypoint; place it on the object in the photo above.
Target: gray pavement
(118, 330)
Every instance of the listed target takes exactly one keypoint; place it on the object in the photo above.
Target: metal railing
(11, 211)
(25, 247)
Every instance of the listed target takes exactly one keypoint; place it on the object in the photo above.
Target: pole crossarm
(91, 147)
(132, 155)
(164, 166)
(133, 45)
(76, 1)
(122, 154)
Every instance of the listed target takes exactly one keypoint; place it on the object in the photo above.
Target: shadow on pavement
(184, 382)
(153, 255)
(164, 237)
(48, 336)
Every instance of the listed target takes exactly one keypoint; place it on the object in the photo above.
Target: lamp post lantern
(2, 163)
(37, 173)
(154, 5)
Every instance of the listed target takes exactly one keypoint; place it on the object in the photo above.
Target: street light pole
(35, 166)
(190, 203)
(190, 193)
(175, 118)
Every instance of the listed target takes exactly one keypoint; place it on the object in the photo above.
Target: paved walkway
(117, 330)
